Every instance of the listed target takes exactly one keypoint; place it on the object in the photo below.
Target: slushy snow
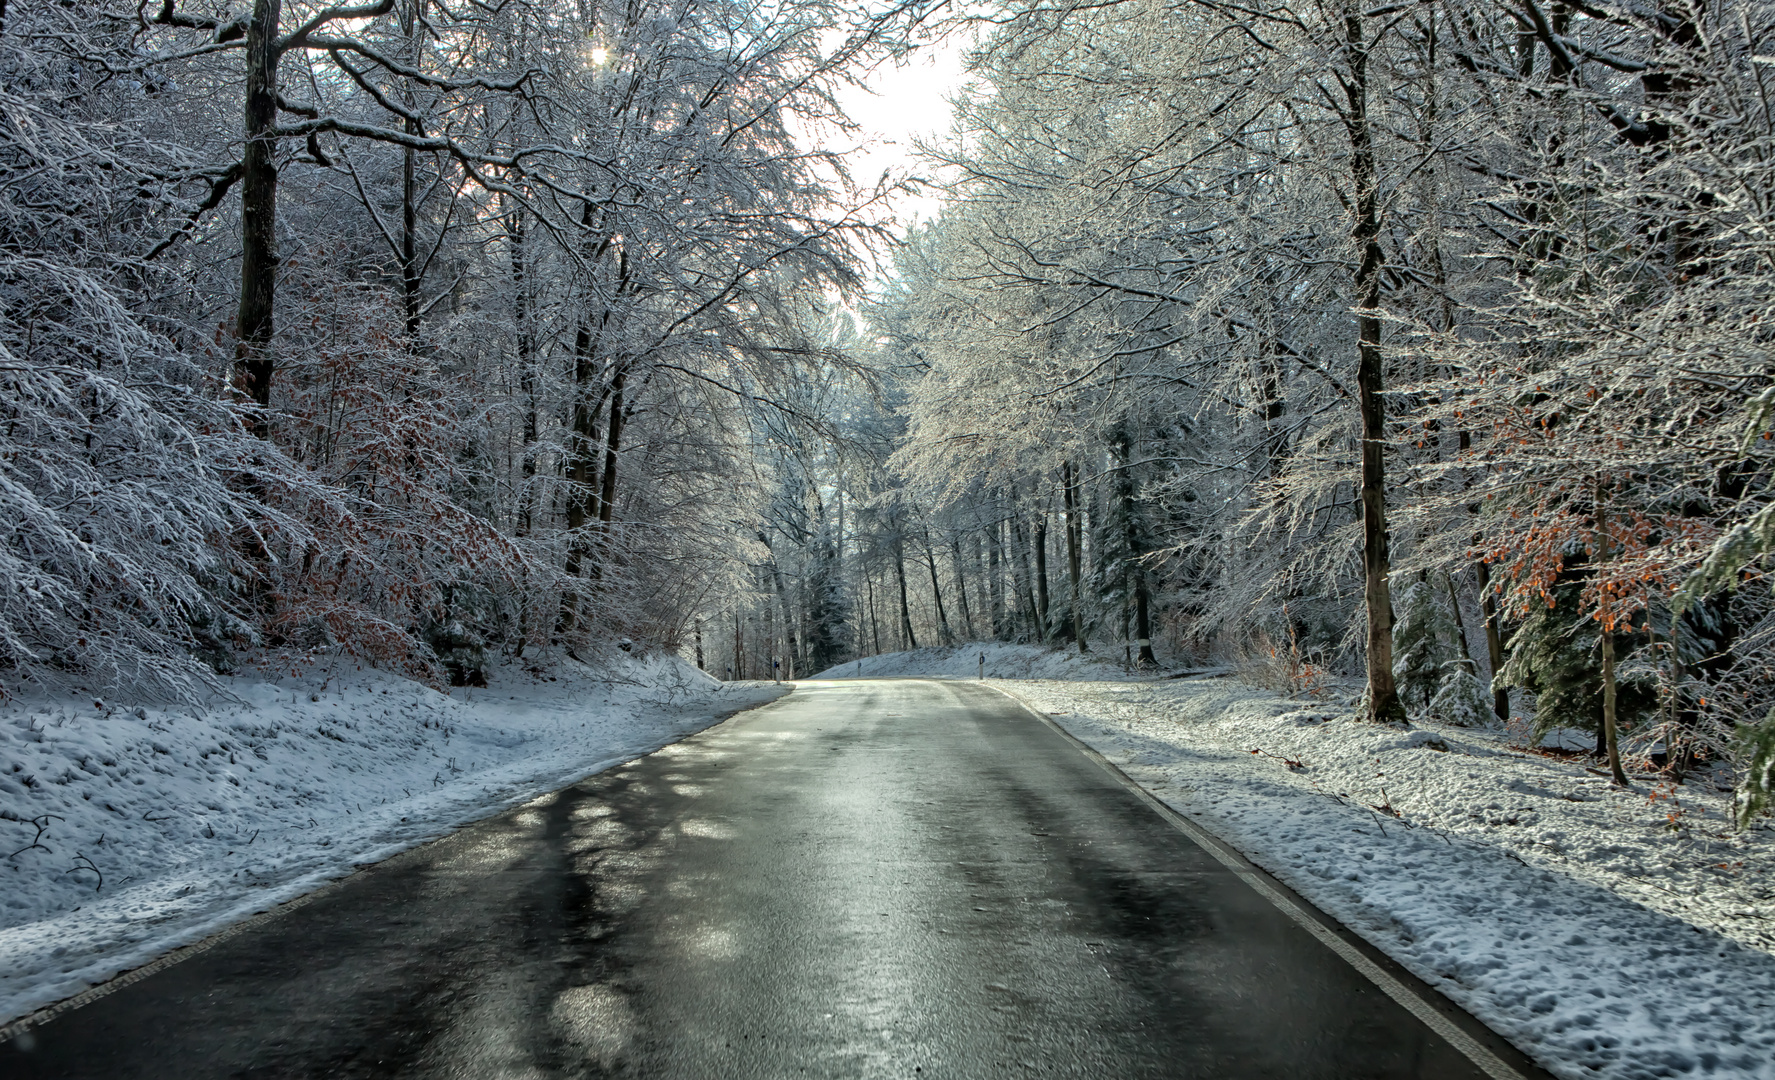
(126, 832)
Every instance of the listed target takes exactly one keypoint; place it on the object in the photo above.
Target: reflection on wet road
(876, 878)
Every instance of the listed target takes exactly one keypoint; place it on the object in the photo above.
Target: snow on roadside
(199, 818)
(1567, 916)
(1609, 934)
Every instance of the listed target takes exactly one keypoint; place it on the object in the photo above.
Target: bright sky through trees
(904, 103)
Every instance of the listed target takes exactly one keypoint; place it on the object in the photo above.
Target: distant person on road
(776, 670)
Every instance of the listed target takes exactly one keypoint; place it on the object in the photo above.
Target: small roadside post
(983, 665)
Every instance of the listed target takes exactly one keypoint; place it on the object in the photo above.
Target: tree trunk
(961, 587)
(1143, 627)
(789, 648)
(1611, 740)
(1383, 696)
(1044, 625)
(1020, 573)
(253, 326)
(410, 235)
(907, 638)
(1494, 641)
(613, 443)
(1074, 541)
(767, 663)
(995, 575)
(874, 623)
(1136, 569)
(516, 238)
(944, 634)
(1454, 601)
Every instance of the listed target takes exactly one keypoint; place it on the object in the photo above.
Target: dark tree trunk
(961, 587)
(1136, 569)
(516, 238)
(995, 574)
(1383, 696)
(1075, 538)
(410, 233)
(907, 638)
(253, 360)
(1143, 626)
(1020, 573)
(1494, 641)
(874, 623)
(1043, 623)
(612, 445)
(944, 634)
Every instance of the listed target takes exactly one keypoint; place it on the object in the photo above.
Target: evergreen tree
(1556, 654)
(1460, 699)
(1424, 643)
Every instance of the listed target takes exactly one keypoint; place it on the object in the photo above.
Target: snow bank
(963, 661)
(197, 819)
(1612, 934)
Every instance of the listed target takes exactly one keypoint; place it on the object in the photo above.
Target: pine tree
(1460, 699)
(1556, 655)
(1423, 644)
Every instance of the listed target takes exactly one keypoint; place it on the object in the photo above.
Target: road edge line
(1489, 1063)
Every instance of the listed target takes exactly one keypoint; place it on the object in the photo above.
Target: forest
(1419, 344)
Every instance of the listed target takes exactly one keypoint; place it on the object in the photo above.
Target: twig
(41, 821)
(1289, 763)
(78, 860)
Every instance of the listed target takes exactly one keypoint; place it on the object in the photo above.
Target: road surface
(864, 879)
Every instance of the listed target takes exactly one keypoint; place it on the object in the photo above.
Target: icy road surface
(905, 878)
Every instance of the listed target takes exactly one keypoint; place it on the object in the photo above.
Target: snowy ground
(1617, 934)
(199, 818)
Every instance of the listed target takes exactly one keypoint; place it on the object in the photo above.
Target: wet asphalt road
(868, 879)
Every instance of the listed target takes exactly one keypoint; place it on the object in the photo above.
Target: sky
(907, 102)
